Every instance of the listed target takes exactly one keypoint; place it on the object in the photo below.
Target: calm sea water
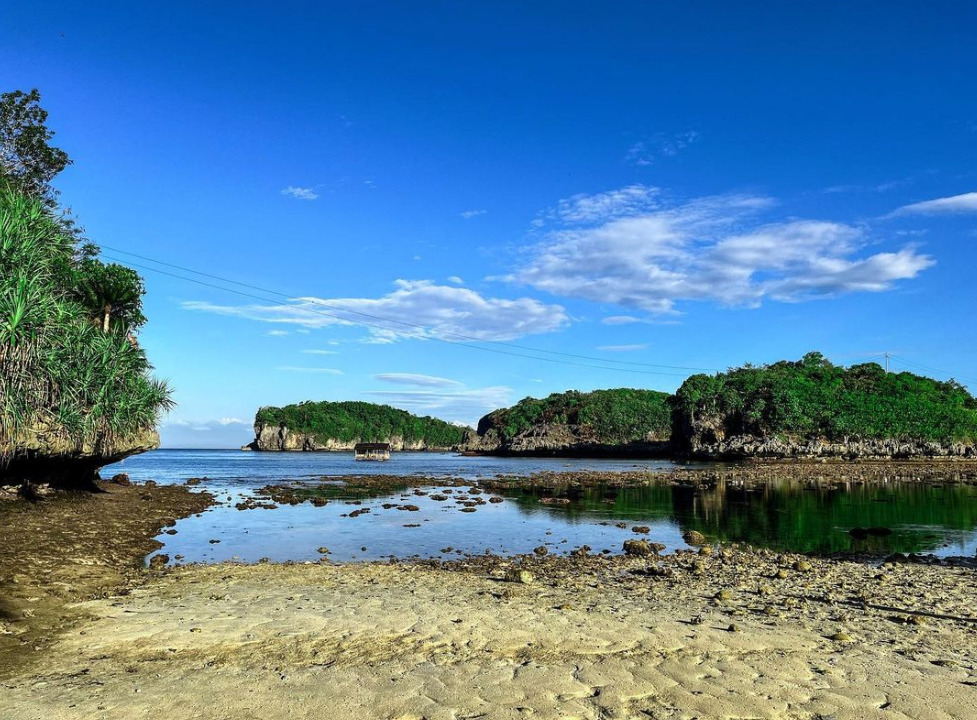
(785, 515)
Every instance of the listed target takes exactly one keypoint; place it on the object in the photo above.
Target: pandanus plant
(59, 370)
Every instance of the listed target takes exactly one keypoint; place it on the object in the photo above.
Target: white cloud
(965, 203)
(647, 151)
(469, 214)
(460, 406)
(294, 368)
(623, 348)
(415, 308)
(321, 352)
(416, 380)
(621, 320)
(628, 200)
(301, 193)
(277, 333)
(456, 280)
(231, 421)
(636, 254)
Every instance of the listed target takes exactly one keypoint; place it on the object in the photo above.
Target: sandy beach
(733, 633)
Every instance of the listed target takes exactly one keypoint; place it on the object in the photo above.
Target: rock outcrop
(46, 457)
(747, 446)
(279, 438)
(557, 439)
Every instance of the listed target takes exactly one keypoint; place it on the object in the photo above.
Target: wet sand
(735, 633)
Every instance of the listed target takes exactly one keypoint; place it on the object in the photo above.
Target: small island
(340, 426)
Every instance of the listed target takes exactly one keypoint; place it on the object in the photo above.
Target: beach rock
(641, 529)
(541, 550)
(694, 537)
(121, 479)
(518, 575)
(639, 548)
(156, 562)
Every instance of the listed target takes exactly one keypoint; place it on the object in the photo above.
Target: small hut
(371, 451)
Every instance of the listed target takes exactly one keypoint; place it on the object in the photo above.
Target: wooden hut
(371, 451)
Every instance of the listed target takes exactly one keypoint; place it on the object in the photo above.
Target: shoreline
(720, 631)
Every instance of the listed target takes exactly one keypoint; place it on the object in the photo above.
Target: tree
(111, 292)
(26, 157)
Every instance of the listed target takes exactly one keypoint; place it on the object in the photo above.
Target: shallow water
(787, 515)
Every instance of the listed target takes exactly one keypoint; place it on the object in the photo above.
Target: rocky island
(609, 423)
(810, 408)
(339, 426)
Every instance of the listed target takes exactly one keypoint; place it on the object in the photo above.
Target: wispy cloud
(321, 352)
(649, 150)
(965, 203)
(277, 333)
(301, 193)
(416, 380)
(415, 308)
(623, 348)
(469, 214)
(321, 370)
(461, 406)
(621, 320)
(456, 280)
(629, 248)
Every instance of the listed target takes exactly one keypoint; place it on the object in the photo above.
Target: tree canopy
(362, 421)
(814, 398)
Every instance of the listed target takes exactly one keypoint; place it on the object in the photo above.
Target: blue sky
(692, 184)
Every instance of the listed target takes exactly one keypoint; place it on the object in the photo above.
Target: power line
(336, 308)
(382, 327)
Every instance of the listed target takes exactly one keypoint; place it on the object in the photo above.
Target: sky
(448, 207)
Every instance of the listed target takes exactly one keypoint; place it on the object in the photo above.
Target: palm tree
(111, 292)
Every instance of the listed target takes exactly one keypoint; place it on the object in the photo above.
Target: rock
(121, 479)
(541, 550)
(724, 595)
(841, 637)
(49, 457)
(621, 525)
(157, 562)
(409, 508)
(324, 551)
(518, 575)
(694, 537)
(782, 574)
(705, 550)
(496, 499)
(641, 529)
(639, 548)
(802, 566)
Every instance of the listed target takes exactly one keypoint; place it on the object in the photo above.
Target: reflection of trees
(784, 515)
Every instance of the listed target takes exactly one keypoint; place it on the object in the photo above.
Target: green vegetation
(367, 422)
(616, 416)
(72, 375)
(812, 398)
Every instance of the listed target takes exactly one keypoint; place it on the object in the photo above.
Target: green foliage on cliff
(814, 398)
(70, 367)
(367, 422)
(616, 416)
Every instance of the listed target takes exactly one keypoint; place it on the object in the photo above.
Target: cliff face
(279, 438)
(705, 438)
(556, 439)
(50, 457)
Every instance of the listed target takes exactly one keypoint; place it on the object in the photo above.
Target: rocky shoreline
(72, 547)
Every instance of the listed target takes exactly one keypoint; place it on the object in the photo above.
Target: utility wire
(382, 327)
(336, 308)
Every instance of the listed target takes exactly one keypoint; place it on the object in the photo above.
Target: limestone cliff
(279, 438)
(48, 456)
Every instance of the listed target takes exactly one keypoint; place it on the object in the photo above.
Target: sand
(584, 640)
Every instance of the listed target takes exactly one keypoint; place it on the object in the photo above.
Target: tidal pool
(784, 515)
